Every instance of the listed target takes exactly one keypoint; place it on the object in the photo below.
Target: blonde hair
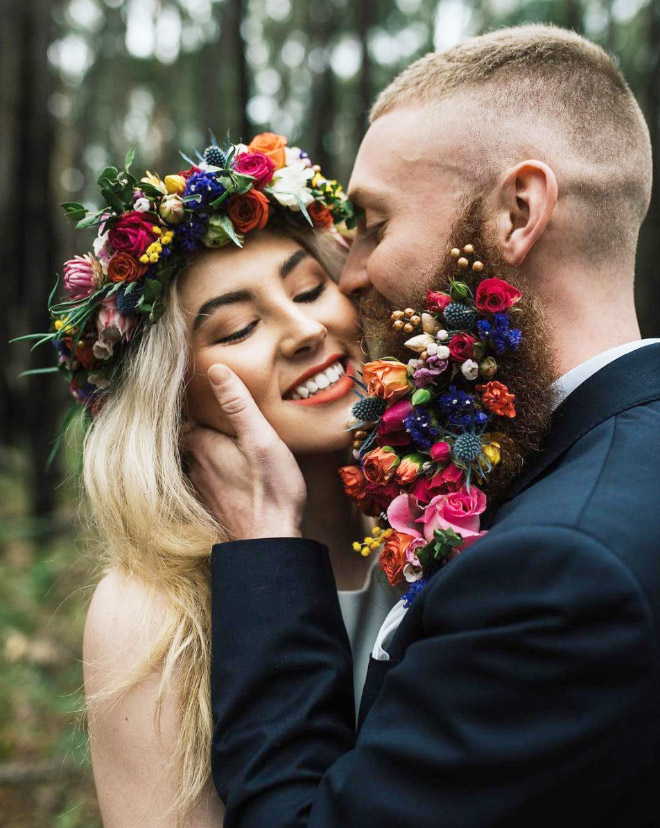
(565, 88)
(152, 527)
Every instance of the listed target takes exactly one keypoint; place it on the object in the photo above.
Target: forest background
(82, 80)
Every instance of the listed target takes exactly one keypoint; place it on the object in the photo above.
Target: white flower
(419, 343)
(430, 324)
(142, 205)
(470, 369)
(99, 381)
(293, 155)
(240, 149)
(289, 185)
(441, 336)
(432, 348)
(413, 365)
(442, 352)
(412, 573)
(101, 251)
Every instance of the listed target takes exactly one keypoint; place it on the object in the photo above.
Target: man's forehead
(403, 142)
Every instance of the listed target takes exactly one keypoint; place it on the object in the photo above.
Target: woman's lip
(336, 391)
(312, 373)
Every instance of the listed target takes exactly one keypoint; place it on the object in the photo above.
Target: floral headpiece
(148, 228)
(426, 432)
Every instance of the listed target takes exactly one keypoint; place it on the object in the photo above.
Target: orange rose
(270, 145)
(320, 214)
(386, 379)
(248, 211)
(124, 268)
(353, 480)
(497, 398)
(409, 469)
(393, 557)
(379, 465)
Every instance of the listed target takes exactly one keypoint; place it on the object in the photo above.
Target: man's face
(410, 178)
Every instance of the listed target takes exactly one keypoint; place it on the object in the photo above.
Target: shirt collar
(567, 383)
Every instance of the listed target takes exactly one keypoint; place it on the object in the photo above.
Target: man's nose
(354, 279)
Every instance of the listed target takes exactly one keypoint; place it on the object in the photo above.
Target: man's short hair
(567, 90)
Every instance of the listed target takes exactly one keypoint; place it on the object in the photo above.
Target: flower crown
(148, 229)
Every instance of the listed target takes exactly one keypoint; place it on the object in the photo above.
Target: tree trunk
(33, 235)
(364, 14)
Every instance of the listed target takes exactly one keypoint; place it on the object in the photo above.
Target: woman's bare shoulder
(133, 731)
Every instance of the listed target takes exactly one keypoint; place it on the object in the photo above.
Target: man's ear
(525, 199)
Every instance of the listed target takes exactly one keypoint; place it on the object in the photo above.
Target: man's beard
(528, 372)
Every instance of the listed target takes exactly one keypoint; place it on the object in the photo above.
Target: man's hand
(251, 483)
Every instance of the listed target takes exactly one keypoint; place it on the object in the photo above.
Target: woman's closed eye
(238, 336)
(310, 295)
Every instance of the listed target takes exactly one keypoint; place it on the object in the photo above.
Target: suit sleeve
(525, 696)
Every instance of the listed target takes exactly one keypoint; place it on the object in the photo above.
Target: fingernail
(217, 374)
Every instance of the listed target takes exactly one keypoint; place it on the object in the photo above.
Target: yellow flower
(175, 184)
(155, 181)
(491, 448)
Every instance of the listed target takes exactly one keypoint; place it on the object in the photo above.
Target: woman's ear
(526, 197)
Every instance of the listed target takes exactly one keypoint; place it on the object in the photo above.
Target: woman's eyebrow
(288, 264)
(217, 302)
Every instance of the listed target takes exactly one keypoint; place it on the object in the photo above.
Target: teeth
(320, 382)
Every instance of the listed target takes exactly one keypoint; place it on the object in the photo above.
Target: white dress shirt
(564, 386)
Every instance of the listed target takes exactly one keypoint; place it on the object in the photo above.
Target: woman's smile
(322, 384)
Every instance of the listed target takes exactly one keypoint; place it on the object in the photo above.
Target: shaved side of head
(545, 93)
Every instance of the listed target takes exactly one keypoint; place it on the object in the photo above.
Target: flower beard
(528, 372)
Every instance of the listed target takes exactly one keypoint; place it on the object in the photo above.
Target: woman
(137, 357)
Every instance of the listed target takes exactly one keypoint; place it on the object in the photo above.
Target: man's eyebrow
(359, 196)
(217, 302)
(288, 264)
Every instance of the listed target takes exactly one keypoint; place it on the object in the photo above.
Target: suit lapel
(630, 380)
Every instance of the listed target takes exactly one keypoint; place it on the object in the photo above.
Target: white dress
(364, 611)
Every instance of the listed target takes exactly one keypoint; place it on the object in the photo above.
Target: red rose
(191, 171)
(124, 268)
(256, 164)
(248, 211)
(320, 215)
(495, 295)
(436, 302)
(461, 347)
(380, 497)
(132, 234)
(450, 479)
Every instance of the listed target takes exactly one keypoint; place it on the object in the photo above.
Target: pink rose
(458, 511)
(256, 164)
(132, 234)
(448, 480)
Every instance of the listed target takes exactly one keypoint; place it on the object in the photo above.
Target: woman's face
(272, 314)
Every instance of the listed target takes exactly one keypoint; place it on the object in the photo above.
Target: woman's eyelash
(310, 295)
(238, 335)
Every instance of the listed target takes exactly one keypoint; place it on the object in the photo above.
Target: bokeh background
(82, 80)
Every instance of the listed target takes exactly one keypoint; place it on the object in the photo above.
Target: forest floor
(45, 585)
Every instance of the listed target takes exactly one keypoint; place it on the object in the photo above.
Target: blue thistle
(215, 157)
(459, 316)
(127, 300)
(467, 447)
(369, 409)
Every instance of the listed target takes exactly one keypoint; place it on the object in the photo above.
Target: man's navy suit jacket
(524, 683)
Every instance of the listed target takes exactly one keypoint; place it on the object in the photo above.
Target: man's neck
(587, 314)
(331, 518)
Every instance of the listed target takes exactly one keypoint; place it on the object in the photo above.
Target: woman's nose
(302, 334)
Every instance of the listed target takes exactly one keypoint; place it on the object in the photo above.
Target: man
(522, 686)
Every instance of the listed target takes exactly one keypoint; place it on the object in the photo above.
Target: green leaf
(73, 210)
(228, 227)
(150, 190)
(152, 290)
(89, 221)
(126, 193)
(128, 160)
(303, 210)
(113, 200)
(220, 199)
(33, 371)
(109, 173)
